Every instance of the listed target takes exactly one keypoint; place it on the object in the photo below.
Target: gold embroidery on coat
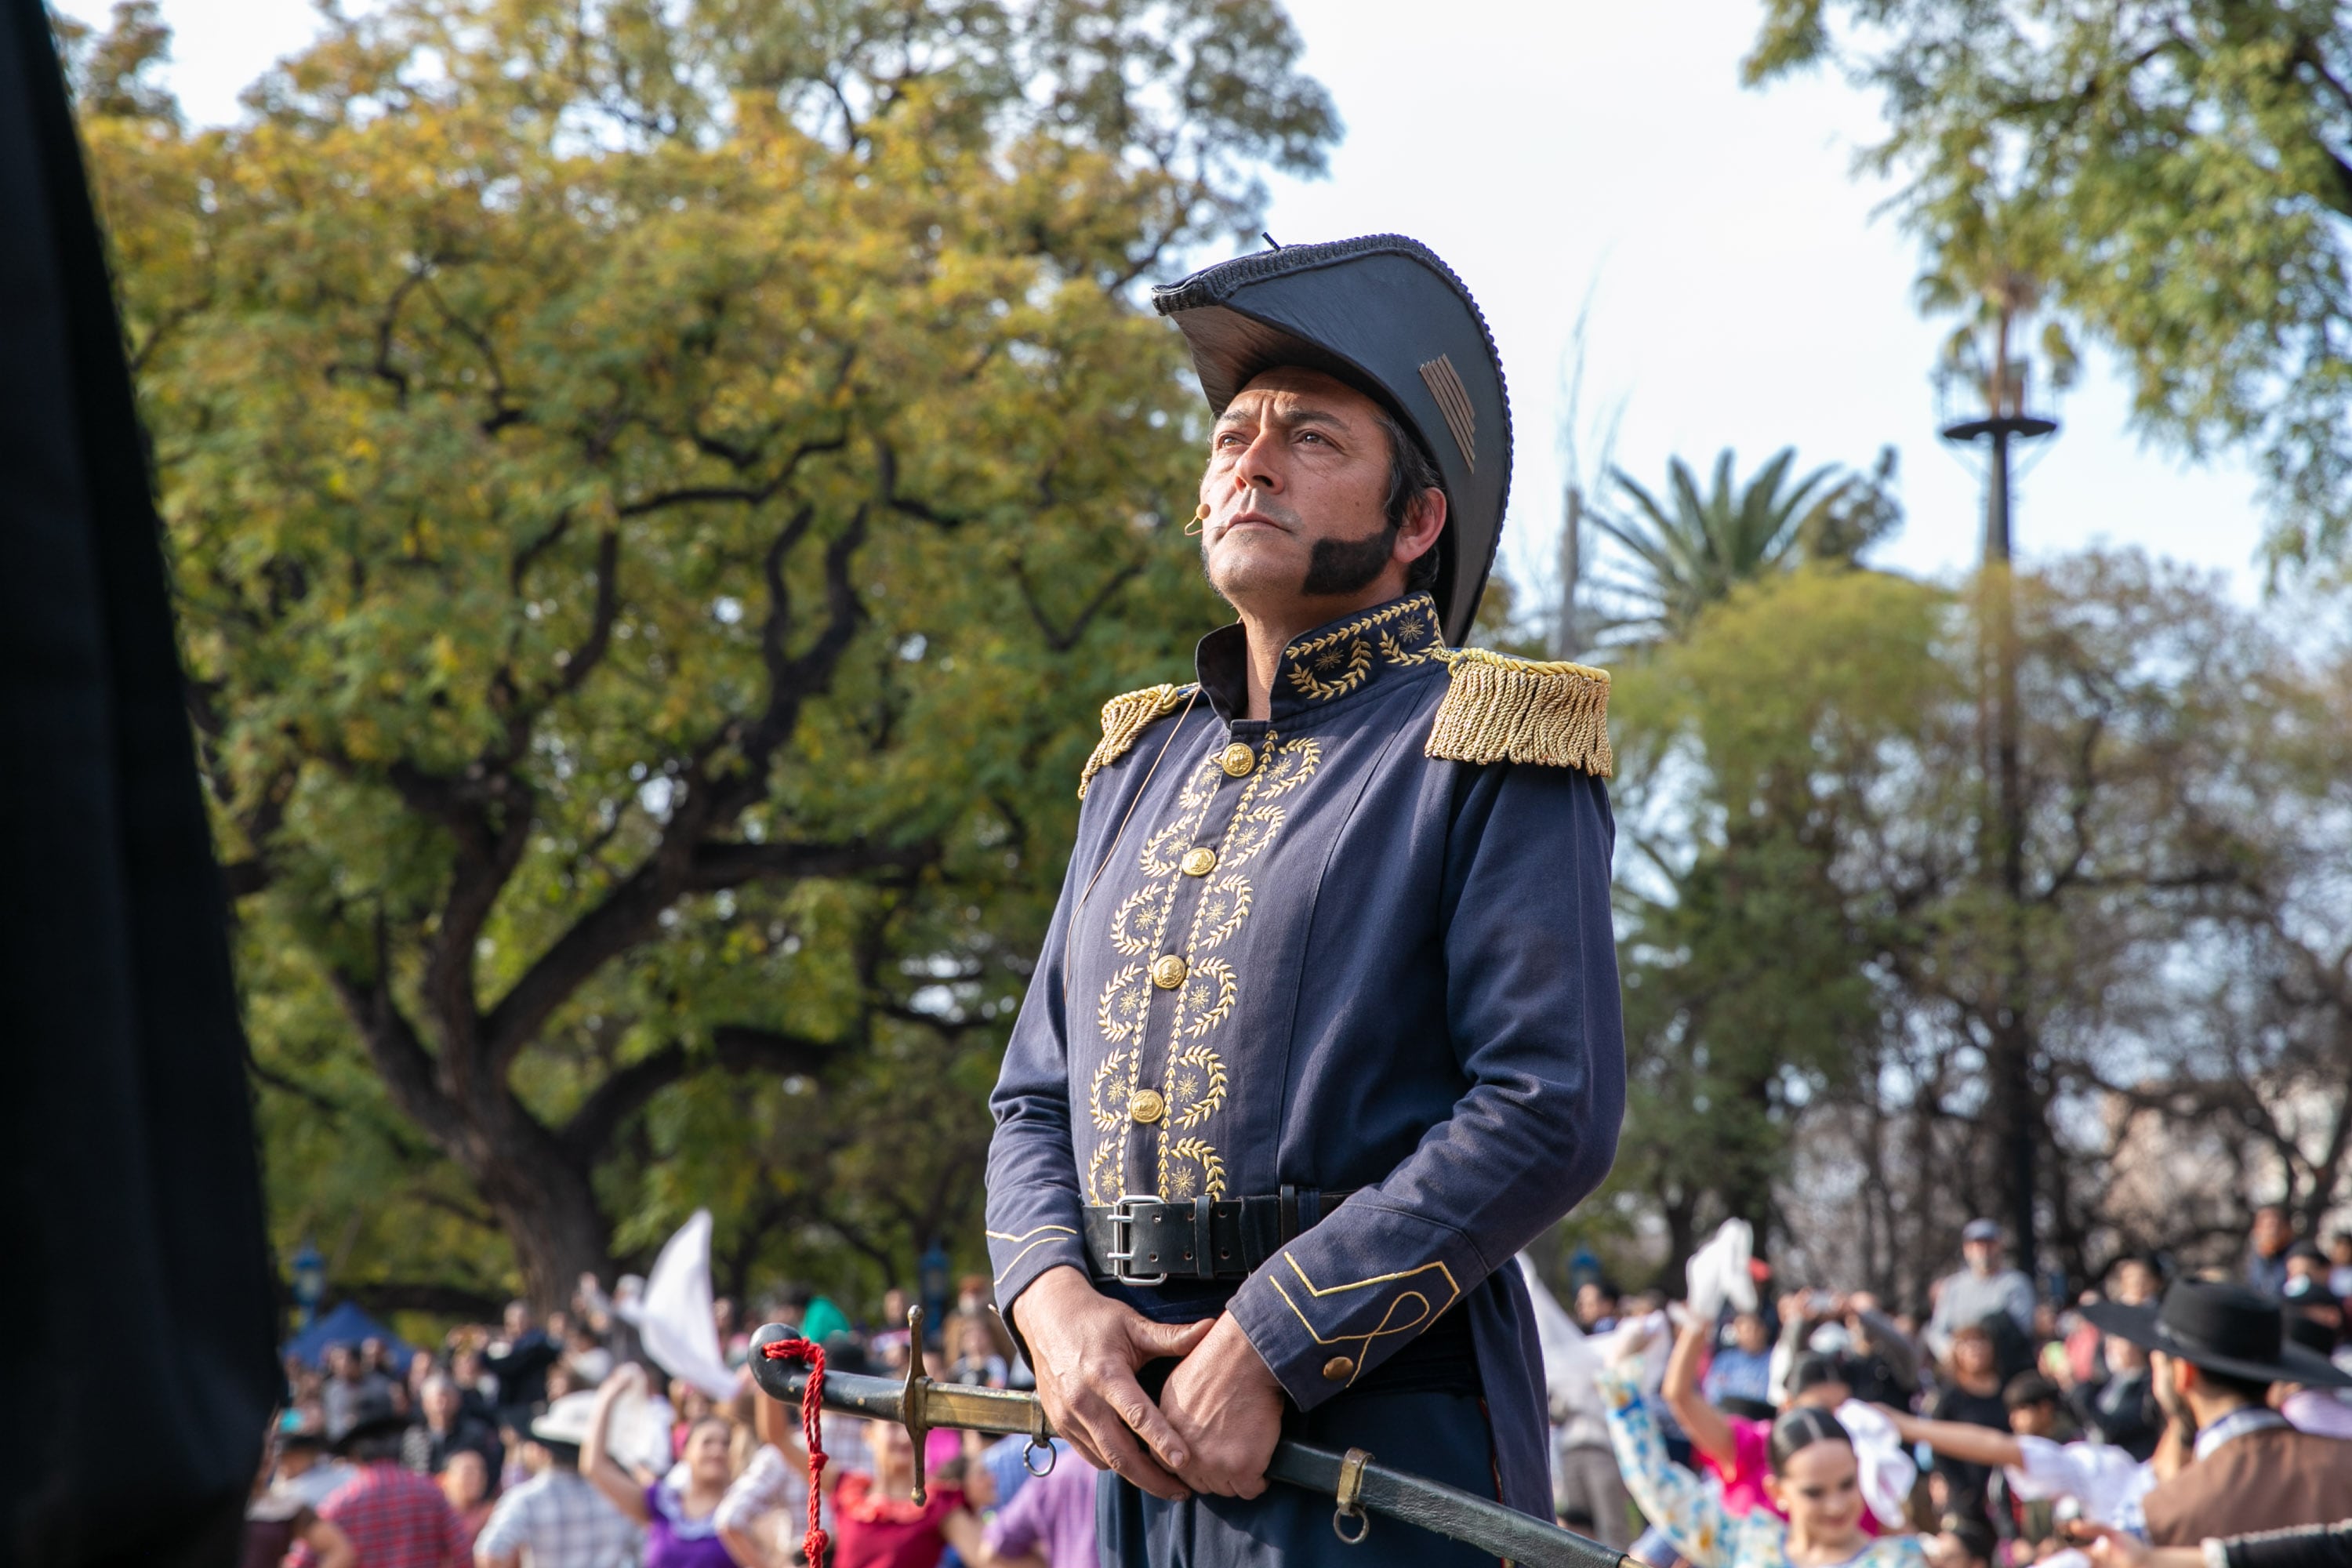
(1199, 1088)
(1345, 673)
(1177, 1184)
(1292, 765)
(1137, 925)
(1209, 994)
(1387, 1325)
(1126, 1002)
(1250, 834)
(1107, 1117)
(1227, 902)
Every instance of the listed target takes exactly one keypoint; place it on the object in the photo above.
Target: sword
(1358, 1488)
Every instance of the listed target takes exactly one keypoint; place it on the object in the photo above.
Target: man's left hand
(1225, 1404)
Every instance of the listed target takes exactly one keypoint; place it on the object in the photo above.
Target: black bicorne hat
(2224, 1328)
(1383, 314)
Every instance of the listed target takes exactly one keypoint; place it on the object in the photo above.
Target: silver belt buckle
(1121, 1251)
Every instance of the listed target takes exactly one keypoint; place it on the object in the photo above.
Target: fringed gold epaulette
(1500, 708)
(1124, 718)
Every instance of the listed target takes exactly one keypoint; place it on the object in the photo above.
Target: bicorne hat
(1383, 314)
(2222, 1327)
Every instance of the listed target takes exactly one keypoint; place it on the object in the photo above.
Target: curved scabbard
(921, 1405)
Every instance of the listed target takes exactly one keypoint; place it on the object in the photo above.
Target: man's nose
(1260, 468)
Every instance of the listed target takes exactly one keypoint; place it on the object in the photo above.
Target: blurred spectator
(1978, 1291)
(2339, 1260)
(2135, 1281)
(393, 1517)
(352, 1385)
(520, 1361)
(2266, 1249)
(1742, 1369)
(679, 1514)
(1052, 1519)
(820, 1320)
(1970, 1392)
(465, 1482)
(1596, 1306)
(2121, 1408)
(275, 1519)
(610, 1316)
(557, 1516)
(447, 1428)
(2304, 1264)
(305, 1470)
(585, 1356)
(2322, 1411)
(975, 1360)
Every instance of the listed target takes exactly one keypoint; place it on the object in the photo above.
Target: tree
(1752, 751)
(2177, 175)
(1690, 552)
(656, 494)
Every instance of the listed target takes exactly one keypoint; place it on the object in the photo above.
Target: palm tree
(1689, 552)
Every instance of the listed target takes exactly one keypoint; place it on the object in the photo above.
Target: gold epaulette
(1500, 708)
(1124, 718)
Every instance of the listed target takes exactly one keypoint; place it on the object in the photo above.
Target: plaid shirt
(395, 1519)
(564, 1522)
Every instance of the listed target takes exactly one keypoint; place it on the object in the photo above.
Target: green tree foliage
(656, 494)
(1817, 964)
(2176, 174)
(1691, 550)
(1749, 749)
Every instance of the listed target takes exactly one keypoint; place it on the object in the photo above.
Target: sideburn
(1338, 566)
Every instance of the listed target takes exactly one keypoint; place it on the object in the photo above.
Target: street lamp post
(310, 1281)
(2007, 420)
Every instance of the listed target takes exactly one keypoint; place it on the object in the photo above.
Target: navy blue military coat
(1307, 952)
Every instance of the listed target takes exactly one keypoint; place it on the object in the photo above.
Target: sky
(1739, 285)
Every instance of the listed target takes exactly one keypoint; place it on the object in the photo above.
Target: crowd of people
(1749, 1428)
(1740, 1429)
(560, 1445)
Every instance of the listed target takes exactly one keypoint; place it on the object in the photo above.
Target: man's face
(1593, 1304)
(1748, 1333)
(2033, 1420)
(440, 1403)
(2270, 1232)
(517, 1320)
(2122, 1355)
(1984, 1256)
(1297, 488)
(2134, 1282)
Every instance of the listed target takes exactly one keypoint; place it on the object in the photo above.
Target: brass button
(1237, 760)
(1200, 861)
(1147, 1107)
(1339, 1368)
(1168, 973)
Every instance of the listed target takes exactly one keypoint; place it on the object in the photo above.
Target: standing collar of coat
(1335, 660)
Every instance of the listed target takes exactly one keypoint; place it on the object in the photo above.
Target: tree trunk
(547, 1209)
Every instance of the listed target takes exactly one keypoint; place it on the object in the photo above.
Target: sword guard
(914, 1413)
(1349, 1495)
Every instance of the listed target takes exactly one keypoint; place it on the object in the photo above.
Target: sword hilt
(1350, 1480)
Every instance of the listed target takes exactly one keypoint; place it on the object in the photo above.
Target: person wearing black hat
(1326, 1026)
(2215, 1352)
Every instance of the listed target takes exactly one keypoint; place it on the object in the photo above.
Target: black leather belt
(1143, 1241)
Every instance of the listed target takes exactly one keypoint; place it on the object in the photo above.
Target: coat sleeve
(1532, 1006)
(1036, 1213)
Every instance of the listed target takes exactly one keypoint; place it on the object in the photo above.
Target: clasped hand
(1216, 1423)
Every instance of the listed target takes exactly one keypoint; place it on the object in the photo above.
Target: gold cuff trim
(1042, 1235)
(1124, 718)
(1389, 1326)
(1498, 709)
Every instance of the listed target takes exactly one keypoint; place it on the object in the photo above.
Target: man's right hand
(1084, 1349)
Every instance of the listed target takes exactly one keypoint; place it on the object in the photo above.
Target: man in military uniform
(1326, 1028)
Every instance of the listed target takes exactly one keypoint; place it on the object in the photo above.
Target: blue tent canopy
(347, 1325)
